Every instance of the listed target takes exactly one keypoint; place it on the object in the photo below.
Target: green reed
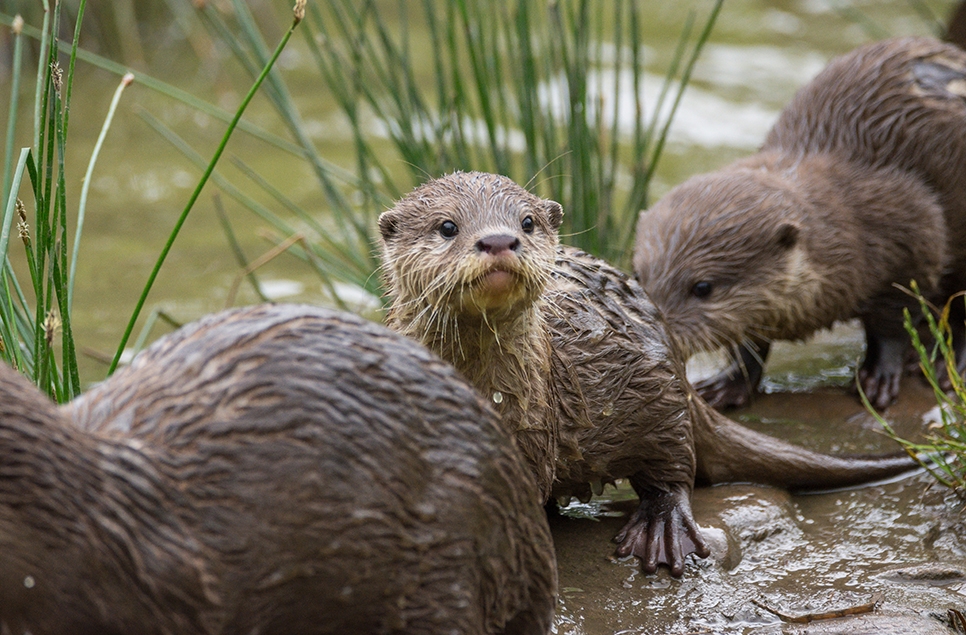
(269, 62)
(525, 89)
(943, 450)
(35, 318)
(518, 88)
(35, 327)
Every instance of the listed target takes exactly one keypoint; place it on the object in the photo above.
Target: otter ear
(387, 225)
(787, 235)
(554, 213)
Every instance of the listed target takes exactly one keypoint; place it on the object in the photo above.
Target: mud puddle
(900, 544)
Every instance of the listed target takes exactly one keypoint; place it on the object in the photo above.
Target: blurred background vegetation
(579, 100)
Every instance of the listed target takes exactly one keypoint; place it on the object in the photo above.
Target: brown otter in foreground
(278, 469)
(577, 360)
(860, 185)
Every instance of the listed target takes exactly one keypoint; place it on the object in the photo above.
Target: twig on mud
(805, 618)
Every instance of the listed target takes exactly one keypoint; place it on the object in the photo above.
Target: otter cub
(576, 359)
(277, 469)
(859, 187)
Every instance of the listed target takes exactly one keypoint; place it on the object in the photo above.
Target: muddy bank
(901, 543)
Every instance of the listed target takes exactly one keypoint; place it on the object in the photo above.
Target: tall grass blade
(10, 208)
(197, 191)
(85, 187)
(16, 66)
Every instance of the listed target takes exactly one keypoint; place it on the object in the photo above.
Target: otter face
(711, 255)
(468, 244)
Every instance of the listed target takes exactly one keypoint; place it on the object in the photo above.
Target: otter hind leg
(662, 530)
(734, 386)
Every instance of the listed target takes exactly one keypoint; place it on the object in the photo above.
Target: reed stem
(299, 13)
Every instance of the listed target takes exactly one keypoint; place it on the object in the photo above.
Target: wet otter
(577, 360)
(277, 469)
(860, 185)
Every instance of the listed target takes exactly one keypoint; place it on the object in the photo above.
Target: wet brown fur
(504, 350)
(616, 402)
(277, 469)
(860, 185)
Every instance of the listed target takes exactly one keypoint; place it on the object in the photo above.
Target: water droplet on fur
(29, 582)
(498, 397)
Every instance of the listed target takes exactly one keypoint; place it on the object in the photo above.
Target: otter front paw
(725, 390)
(662, 531)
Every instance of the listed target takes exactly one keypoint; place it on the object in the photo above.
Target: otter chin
(497, 289)
(498, 283)
(859, 188)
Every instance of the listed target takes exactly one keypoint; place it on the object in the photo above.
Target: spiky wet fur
(434, 285)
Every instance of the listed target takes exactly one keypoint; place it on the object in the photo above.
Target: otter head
(468, 245)
(722, 256)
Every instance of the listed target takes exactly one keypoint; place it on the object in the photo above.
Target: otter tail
(728, 452)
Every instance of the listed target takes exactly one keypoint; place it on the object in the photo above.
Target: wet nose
(497, 244)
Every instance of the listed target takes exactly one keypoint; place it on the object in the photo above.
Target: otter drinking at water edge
(859, 187)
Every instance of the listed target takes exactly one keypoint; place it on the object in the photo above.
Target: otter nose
(497, 244)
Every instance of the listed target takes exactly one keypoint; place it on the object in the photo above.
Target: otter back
(278, 469)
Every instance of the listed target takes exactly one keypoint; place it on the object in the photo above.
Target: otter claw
(662, 531)
(880, 374)
(881, 388)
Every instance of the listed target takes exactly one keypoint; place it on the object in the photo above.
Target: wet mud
(900, 544)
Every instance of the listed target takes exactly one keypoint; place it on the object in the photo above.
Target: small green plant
(943, 451)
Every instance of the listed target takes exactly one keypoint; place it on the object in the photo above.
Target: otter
(577, 360)
(859, 188)
(274, 469)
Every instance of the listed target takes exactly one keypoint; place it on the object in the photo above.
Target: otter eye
(701, 289)
(448, 229)
(527, 225)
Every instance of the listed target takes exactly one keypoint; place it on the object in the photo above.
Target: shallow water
(798, 554)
